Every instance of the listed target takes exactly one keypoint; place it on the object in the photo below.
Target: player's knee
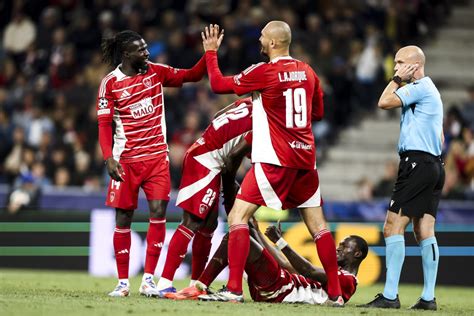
(192, 222)
(123, 218)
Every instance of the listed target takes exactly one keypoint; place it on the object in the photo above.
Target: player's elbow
(384, 104)
(389, 102)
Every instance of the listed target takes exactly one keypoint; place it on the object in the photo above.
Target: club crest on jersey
(147, 82)
(142, 108)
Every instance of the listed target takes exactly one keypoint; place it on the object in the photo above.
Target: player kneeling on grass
(275, 278)
(217, 153)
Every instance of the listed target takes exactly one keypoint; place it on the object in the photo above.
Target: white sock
(164, 283)
(124, 281)
(147, 275)
(192, 282)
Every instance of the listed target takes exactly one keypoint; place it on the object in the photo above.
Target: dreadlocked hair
(113, 47)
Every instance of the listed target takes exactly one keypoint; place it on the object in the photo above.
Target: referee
(420, 179)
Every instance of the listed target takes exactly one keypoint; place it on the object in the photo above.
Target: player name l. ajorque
(287, 76)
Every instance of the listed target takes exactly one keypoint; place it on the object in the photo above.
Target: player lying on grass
(217, 153)
(275, 278)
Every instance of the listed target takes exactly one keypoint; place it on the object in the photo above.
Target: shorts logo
(391, 203)
(413, 165)
(112, 196)
(406, 159)
(142, 108)
(147, 82)
(203, 208)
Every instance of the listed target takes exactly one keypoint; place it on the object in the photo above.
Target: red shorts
(200, 182)
(280, 187)
(152, 175)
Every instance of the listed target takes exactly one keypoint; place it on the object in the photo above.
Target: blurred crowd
(50, 69)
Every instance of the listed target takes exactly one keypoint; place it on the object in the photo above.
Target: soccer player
(275, 279)
(420, 179)
(286, 97)
(131, 98)
(221, 147)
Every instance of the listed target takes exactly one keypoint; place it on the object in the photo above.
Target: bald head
(278, 31)
(411, 54)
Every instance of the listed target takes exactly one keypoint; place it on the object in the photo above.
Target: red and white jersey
(295, 288)
(286, 97)
(226, 130)
(136, 105)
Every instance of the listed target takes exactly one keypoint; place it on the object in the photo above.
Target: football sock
(394, 257)
(430, 260)
(124, 281)
(238, 250)
(327, 254)
(177, 251)
(147, 275)
(155, 238)
(164, 283)
(215, 266)
(201, 249)
(122, 241)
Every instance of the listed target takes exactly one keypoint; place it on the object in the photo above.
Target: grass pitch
(27, 292)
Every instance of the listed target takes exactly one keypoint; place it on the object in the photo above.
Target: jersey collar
(119, 74)
(277, 59)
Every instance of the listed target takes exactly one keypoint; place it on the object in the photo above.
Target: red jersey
(136, 105)
(226, 130)
(295, 288)
(286, 98)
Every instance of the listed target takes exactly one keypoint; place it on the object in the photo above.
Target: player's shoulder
(255, 67)
(158, 66)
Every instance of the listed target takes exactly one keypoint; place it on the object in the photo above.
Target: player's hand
(115, 170)
(212, 38)
(273, 232)
(406, 71)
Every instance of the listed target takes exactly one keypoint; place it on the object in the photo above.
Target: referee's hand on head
(115, 170)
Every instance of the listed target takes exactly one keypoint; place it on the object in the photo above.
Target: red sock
(238, 250)
(327, 254)
(155, 238)
(217, 263)
(177, 251)
(122, 242)
(201, 249)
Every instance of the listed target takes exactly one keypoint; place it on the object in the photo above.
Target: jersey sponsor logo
(299, 145)
(147, 82)
(292, 76)
(103, 102)
(142, 108)
(125, 94)
(103, 111)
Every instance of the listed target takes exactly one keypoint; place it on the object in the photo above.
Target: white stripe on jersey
(155, 153)
(269, 196)
(103, 84)
(133, 85)
(262, 149)
(313, 201)
(119, 138)
(144, 138)
(151, 98)
(163, 118)
(189, 191)
(140, 122)
(251, 68)
(148, 146)
(146, 89)
(142, 130)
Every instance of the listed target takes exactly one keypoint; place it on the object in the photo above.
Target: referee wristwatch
(397, 80)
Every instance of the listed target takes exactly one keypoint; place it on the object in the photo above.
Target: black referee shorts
(419, 184)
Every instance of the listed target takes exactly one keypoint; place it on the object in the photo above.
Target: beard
(141, 66)
(263, 53)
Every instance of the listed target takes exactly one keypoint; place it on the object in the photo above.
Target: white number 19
(295, 107)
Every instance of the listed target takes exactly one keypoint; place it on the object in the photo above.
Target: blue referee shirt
(421, 123)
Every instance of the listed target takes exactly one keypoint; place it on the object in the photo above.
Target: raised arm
(389, 99)
(301, 265)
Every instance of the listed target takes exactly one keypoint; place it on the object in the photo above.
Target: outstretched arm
(197, 72)
(301, 265)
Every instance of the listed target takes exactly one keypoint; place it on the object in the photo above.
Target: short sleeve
(170, 76)
(251, 79)
(410, 93)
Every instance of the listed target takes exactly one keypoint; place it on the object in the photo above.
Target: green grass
(27, 292)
